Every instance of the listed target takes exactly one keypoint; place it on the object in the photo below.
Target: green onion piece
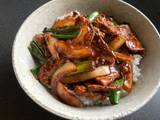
(92, 16)
(35, 70)
(68, 30)
(65, 36)
(40, 46)
(64, 33)
(119, 83)
(36, 48)
(36, 52)
(84, 66)
(114, 97)
(65, 30)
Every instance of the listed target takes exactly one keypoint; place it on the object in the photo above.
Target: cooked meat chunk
(73, 51)
(46, 71)
(134, 44)
(106, 25)
(101, 88)
(68, 97)
(106, 80)
(68, 20)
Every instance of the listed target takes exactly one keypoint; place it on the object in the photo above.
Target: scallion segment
(37, 52)
(115, 97)
(83, 66)
(35, 70)
(92, 16)
(64, 33)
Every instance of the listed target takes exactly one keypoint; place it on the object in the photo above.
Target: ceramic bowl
(44, 16)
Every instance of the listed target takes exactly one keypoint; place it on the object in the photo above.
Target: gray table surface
(14, 103)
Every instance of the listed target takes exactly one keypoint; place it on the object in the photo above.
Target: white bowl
(44, 16)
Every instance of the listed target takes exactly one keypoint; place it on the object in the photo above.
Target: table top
(14, 103)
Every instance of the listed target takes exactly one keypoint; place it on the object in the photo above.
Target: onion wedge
(67, 97)
(100, 71)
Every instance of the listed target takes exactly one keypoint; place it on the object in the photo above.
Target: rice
(88, 102)
(136, 73)
(136, 69)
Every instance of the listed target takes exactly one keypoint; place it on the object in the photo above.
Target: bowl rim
(153, 92)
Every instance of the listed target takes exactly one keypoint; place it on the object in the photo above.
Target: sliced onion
(100, 71)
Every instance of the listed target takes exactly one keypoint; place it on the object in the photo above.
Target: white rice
(88, 102)
(136, 74)
(136, 69)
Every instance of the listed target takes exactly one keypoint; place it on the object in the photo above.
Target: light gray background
(14, 103)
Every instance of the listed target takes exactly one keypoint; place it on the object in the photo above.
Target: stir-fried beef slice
(73, 51)
(68, 49)
(50, 42)
(80, 90)
(39, 38)
(128, 77)
(67, 97)
(86, 33)
(131, 41)
(100, 43)
(134, 44)
(105, 25)
(124, 68)
(102, 53)
(111, 30)
(100, 59)
(80, 37)
(98, 32)
(95, 96)
(46, 71)
(123, 57)
(100, 46)
(69, 20)
(106, 80)
(89, 36)
(122, 33)
(102, 88)
(46, 51)
(124, 30)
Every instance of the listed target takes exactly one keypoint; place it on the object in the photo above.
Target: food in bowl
(87, 60)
